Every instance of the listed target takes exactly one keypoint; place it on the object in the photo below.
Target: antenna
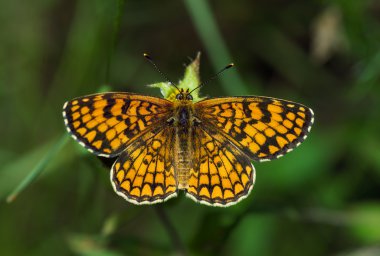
(147, 56)
(214, 76)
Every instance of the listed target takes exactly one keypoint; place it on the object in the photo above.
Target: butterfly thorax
(183, 122)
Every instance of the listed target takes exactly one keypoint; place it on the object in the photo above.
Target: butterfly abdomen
(183, 160)
(183, 152)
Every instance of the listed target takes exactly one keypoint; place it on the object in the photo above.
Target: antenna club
(230, 65)
(147, 56)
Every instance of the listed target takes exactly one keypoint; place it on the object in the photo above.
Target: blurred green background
(321, 199)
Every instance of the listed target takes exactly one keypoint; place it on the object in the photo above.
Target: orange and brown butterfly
(183, 142)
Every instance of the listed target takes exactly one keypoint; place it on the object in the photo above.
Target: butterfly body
(203, 147)
(183, 122)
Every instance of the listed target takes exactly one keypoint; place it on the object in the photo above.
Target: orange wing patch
(222, 175)
(106, 123)
(144, 172)
(261, 127)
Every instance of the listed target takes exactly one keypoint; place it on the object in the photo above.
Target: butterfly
(181, 142)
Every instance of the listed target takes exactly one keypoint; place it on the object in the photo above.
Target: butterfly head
(184, 95)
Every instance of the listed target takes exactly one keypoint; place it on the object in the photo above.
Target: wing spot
(273, 149)
(100, 103)
(90, 136)
(120, 127)
(156, 145)
(299, 122)
(225, 106)
(136, 192)
(227, 113)
(84, 110)
(260, 139)
(110, 134)
(97, 144)
(226, 183)
(290, 137)
(228, 127)
(75, 115)
(146, 191)
(210, 146)
(237, 129)
(297, 130)
(159, 178)
(244, 179)
(291, 116)
(115, 144)
(234, 177)
(254, 147)
(149, 178)
(214, 180)
(250, 130)
(301, 114)
(138, 181)
(288, 124)
(281, 141)
(260, 126)
(74, 108)
(217, 193)
(261, 155)
(269, 132)
(238, 188)
(204, 192)
(120, 176)
(112, 121)
(126, 185)
(158, 191)
(276, 117)
(76, 124)
(82, 131)
(204, 179)
(92, 124)
(274, 108)
(86, 118)
(255, 112)
(143, 111)
(228, 194)
(141, 125)
(281, 129)
(102, 127)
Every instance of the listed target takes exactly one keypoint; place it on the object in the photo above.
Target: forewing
(263, 128)
(222, 175)
(106, 123)
(144, 172)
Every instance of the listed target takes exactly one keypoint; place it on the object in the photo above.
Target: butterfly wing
(144, 172)
(222, 175)
(262, 128)
(106, 123)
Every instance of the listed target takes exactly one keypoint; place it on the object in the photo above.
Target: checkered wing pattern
(222, 175)
(144, 172)
(262, 128)
(106, 123)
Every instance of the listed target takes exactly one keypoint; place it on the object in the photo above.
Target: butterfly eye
(179, 96)
(189, 97)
